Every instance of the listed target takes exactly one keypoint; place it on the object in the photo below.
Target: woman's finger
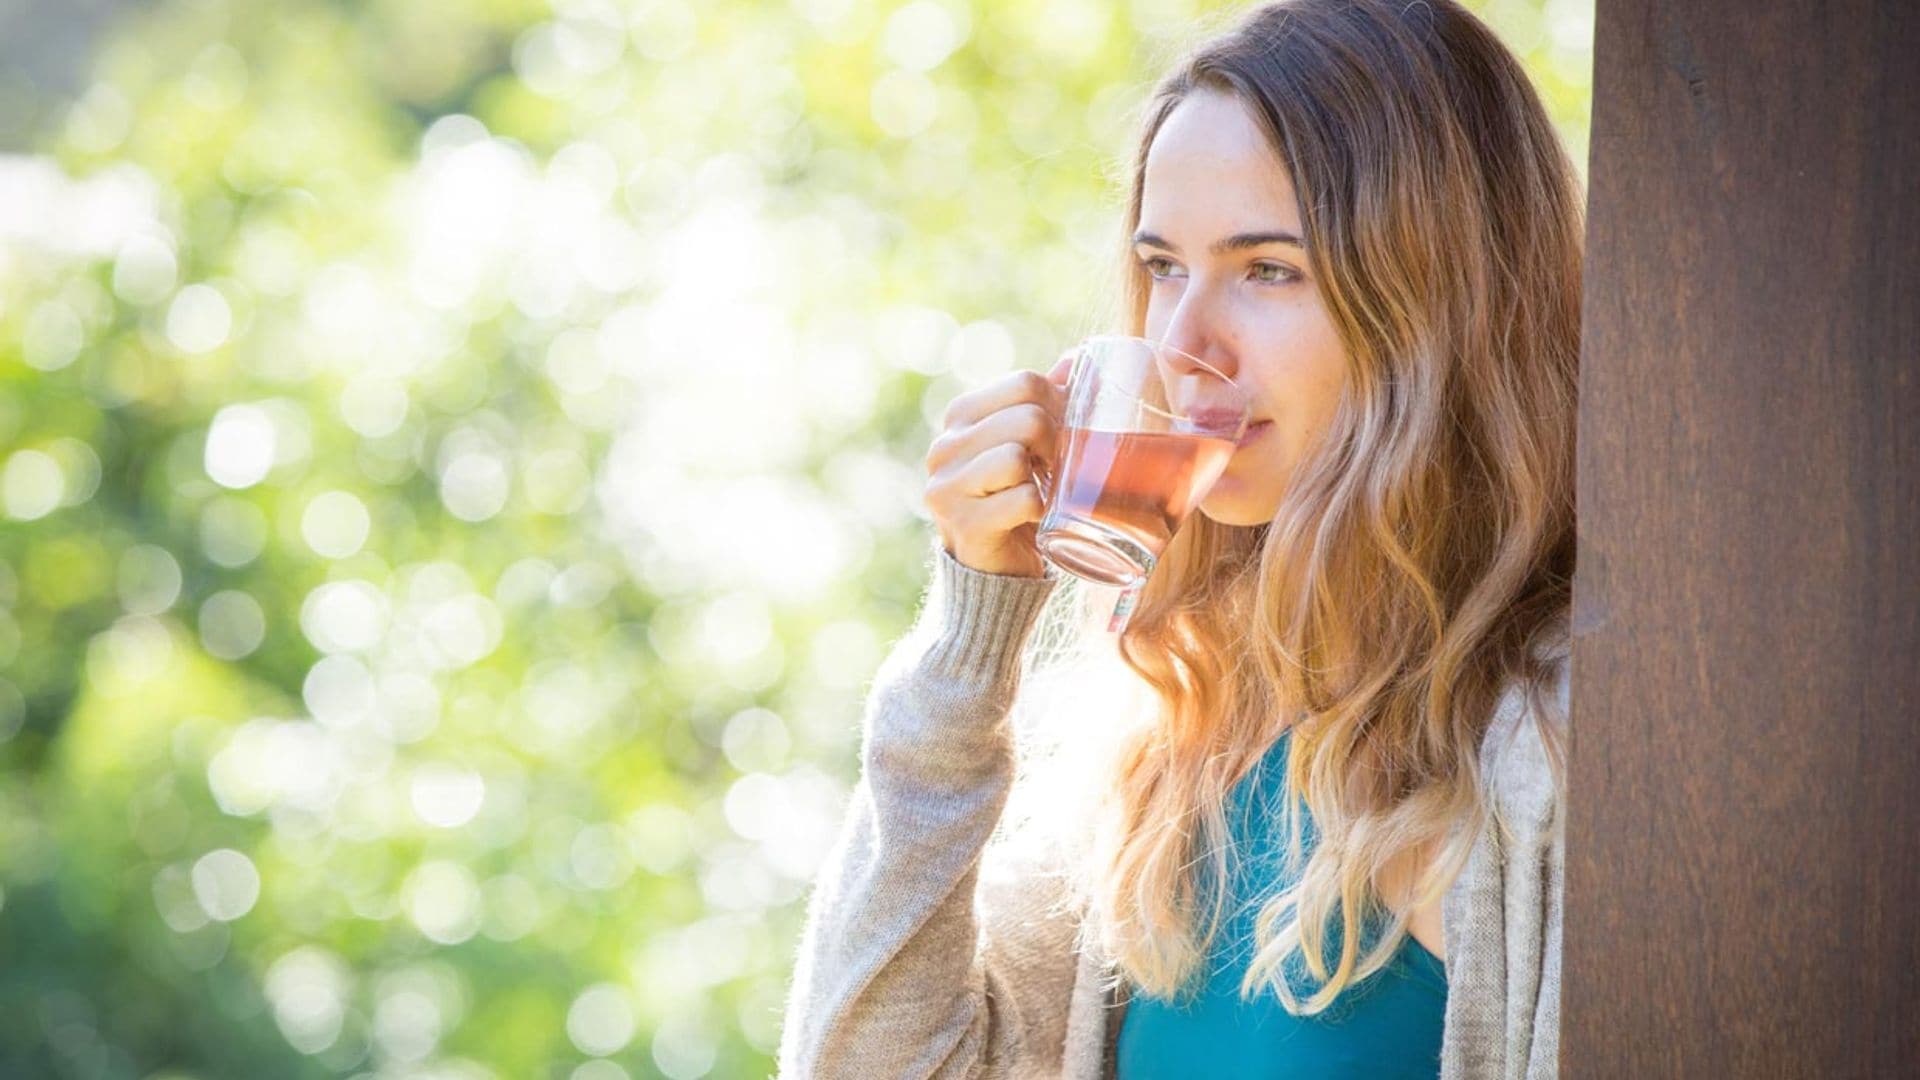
(1021, 386)
(1004, 511)
(996, 469)
(1027, 423)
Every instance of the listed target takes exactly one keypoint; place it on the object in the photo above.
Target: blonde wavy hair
(1422, 561)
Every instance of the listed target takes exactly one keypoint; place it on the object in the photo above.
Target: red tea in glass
(1148, 430)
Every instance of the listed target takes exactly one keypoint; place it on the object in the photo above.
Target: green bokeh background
(459, 468)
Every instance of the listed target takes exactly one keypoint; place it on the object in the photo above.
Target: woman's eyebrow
(1232, 243)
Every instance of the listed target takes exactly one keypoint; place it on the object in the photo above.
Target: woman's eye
(1159, 267)
(1153, 264)
(1279, 276)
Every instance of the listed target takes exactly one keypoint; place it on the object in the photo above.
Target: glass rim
(1245, 395)
(1209, 368)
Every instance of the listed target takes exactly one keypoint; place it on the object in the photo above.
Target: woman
(1334, 847)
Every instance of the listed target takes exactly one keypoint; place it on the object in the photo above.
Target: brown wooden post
(1743, 869)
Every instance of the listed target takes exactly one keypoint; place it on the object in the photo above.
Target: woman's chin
(1223, 509)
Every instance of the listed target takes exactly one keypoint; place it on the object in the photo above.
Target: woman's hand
(980, 469)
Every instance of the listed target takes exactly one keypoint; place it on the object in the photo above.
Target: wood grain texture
(1743, 870)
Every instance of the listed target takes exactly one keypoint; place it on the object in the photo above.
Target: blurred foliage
(458, 471)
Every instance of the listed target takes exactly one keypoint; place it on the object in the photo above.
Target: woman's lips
(1215, 418)
(1254, 431)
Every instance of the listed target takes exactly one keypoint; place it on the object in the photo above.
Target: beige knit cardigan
(928, 952)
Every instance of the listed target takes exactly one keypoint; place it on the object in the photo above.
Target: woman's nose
(1197, 371)
(1193, 333)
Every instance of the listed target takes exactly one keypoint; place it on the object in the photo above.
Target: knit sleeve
(914, 960)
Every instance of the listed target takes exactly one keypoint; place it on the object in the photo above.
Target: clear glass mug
(1146, 431)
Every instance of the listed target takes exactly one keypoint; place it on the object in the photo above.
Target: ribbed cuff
(981, 621)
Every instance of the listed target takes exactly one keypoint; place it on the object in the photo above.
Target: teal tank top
(1383, 1028)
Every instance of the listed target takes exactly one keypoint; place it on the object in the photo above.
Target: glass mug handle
(1043, 469)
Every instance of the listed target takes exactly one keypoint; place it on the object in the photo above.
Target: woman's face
(1220, 236)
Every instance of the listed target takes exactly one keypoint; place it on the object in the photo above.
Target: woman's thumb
(1061, 367)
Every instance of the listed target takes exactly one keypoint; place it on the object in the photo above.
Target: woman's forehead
(1212, 161)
